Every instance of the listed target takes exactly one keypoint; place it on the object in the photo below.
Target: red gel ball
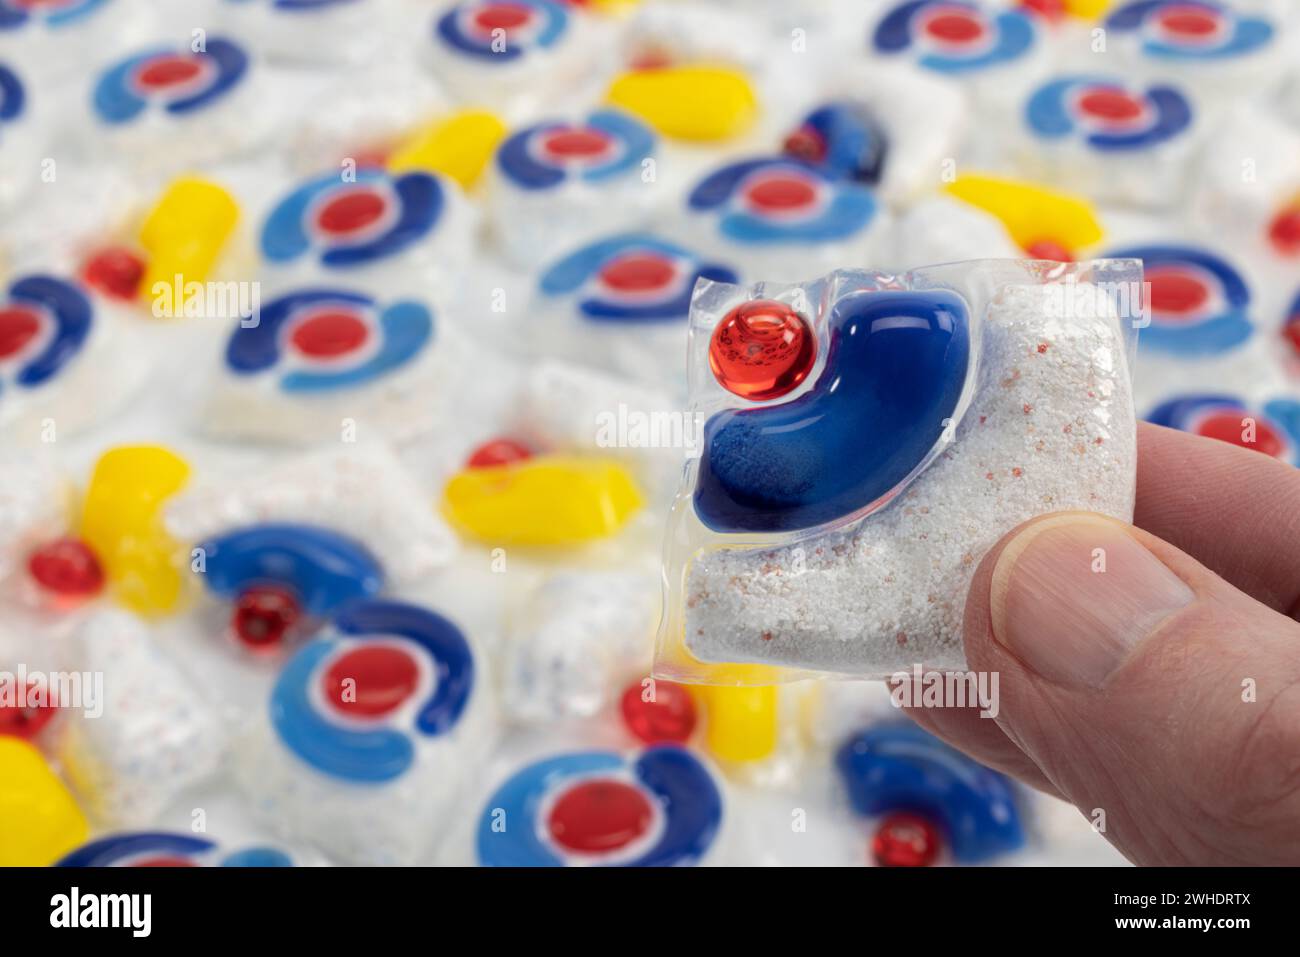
(502, 16)
(498, 452)
(67, 568)
(637, 273)
(115, 272)
(762, 350)
(1113, 105)
(164, 862)
(1228, 427)
(328, 335)
(18, 326)
(576, 143)
(1292, 336)
(669, 718)
(1176, 293)
(264, 614)
(958, 27)
(351, 211)
(168, 71)
(1052, 10)
(1049, 249)
(1190, 22)
(371, 681)
(1284, 231)
(905, 840)
(599, 816)
(805, 144)
(780, 193)
(26, 722)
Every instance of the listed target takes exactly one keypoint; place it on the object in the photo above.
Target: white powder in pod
(1050, 428)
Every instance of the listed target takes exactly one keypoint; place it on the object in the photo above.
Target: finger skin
(1235, 510)
(1185, 771)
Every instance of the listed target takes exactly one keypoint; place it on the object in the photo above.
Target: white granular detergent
(1050, 428)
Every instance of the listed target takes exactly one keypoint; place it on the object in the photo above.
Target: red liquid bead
(371, 681)
(1052, 10)
(762, 350)
(651, 59)
(164, 862)
(330, 334)
(905, 840)
(67, 568)
(168, 71)
(637, 273)
(116, 272)
(1228, 427)
(502, 16)
(1176, 293)
(599, 816)
(373, 156)
(576, 143)
(498, 452)
(669, 718)
(954, 27)
(1049, 249)
(1111, 105)
(779, 193)
(264, 614)
(26, 722)
(1284, 231)
(805, 144)
(352, 211)
(1292, 335)
(18, 326)
(1190, 22)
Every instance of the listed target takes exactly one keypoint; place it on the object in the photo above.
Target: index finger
(1235, 510)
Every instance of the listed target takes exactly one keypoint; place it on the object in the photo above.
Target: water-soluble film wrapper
(151, 736)
(320, 358)
(362, 493)
(64, 343)
(371, 734)
(313, 34)
(674, 803)
(579, 635)
(1109, 138)
(169, 107)
(867, 437)
(565, 181)
(1220, 50)
(386, 233)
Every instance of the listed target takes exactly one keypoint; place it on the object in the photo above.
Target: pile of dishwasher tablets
(368, 366)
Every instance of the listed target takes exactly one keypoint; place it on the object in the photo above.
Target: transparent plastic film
(866, 437)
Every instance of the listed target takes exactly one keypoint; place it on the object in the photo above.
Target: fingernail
(1072, 594)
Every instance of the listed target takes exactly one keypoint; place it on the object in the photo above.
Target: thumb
(1160, 700)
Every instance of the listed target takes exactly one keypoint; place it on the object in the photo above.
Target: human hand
(1152, 673)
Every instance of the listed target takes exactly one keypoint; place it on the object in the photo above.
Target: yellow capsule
(458, 146)
(696, 103)
(1032, 214)
(183, 236)
(121, 521)
(616, 8)
(39, 820)
(742, 722)
(1087, 9)
(551, 500)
